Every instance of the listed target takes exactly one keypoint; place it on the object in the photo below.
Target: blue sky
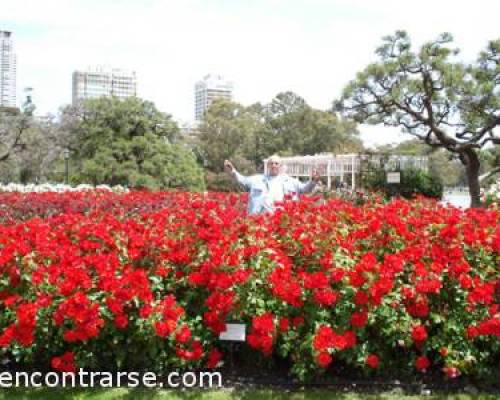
(312, 47)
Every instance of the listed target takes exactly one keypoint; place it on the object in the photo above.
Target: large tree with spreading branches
(429, 94)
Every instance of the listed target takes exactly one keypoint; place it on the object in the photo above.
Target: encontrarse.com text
(92, 379)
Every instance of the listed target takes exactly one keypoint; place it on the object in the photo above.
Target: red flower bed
(148, 280)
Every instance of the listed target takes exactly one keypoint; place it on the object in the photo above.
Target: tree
(490, 159)
(329, 133)
(260, 142)
(287, 126)
(297, 128)
(36, 162)
(224, 134)
(20, 146)
(442, 102)
(287, 119)
(13, 127)
(128, 142)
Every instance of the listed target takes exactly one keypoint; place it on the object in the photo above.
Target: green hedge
(413, 181)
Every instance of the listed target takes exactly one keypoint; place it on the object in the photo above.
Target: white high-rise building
(7, 70)
(211, 87)
(103, 81)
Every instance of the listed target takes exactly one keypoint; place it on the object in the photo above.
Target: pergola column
(329, 174)
(353, 165)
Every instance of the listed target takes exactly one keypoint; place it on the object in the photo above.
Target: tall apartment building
(103, 81)
(7, 70)
(211, 87)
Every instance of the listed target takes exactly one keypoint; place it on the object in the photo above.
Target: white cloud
(312, 47)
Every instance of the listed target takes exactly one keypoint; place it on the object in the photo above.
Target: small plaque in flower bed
(234, 333)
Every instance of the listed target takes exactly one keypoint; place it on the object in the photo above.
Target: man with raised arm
(267, 189)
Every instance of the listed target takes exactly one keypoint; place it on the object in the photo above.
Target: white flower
(57, 187)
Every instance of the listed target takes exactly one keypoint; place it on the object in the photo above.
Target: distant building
(211, 87)
(189, 128)
(8, 71)
(103, 81)
(190, 131)
(347, 166)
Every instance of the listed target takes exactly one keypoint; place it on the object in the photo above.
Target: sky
(311, 47)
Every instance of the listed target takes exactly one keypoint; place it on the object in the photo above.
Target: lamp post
(66, 165)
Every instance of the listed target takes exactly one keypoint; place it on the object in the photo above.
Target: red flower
(264, 324)
(145, 311)
(64, 363)
(184, 334)
(350, 339)
(337, 274)
(471, 332)
(191, 355)
(359, 319)
(262, 334)
(419, 334)
(482, 294)
(121, 321)
(356, 279)
(7, 336)
(324, 359)
(372, 361)
(165, 328)
(465, 281)
(316, 280)
(451, 372)
(325, 297)
(426, 286)
(214, 321)
(323, 339)
(361, 298)
(284, 325)
(422, 363)
(214, 358)
(339, 342)
(115, 306)
(418, 308)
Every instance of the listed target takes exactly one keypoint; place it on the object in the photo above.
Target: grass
(223, 394)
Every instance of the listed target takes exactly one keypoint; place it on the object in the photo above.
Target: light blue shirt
(266, 190)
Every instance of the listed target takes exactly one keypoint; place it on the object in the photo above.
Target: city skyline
(312, 48)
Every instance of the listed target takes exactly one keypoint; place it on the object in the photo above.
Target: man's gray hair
(274, 158)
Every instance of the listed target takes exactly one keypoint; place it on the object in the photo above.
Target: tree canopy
(429, 94)
(287, 125)
(128, 142)
(13, 127)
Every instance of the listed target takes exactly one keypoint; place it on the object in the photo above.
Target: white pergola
(339, 165)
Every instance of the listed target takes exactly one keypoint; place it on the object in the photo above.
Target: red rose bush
(103, 280)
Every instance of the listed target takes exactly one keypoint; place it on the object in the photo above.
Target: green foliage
(13, 128)
(225, 130)
(129, 142)
(442, 164)
(287, 126)
(413, 182)
(297, 128)
(24, 145)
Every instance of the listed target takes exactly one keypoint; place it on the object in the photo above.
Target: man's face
(273, 167)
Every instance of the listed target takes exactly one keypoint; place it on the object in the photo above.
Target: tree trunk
(471, 161)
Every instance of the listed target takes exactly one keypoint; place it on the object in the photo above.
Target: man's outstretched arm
(241, 179)
(308, 186)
